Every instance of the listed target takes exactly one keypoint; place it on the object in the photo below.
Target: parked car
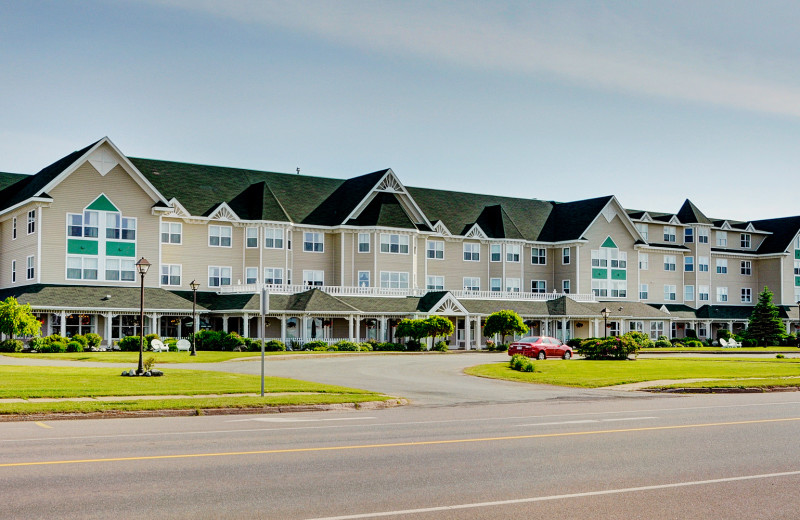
(540, 347)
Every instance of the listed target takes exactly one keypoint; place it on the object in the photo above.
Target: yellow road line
(42, 425)
(392, 445)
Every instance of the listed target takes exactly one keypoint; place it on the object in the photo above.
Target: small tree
(505, 323)
(17, 320)
(414, 329)
(438, 326)
(765, 323)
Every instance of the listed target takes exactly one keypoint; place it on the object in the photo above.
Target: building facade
(350, 258)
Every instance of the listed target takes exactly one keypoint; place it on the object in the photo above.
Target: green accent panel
(601, 274)
(619, 274)
(609, 243)
(120, 249)
(797, 281)
(101, 203)
(81, 247)
(797, 254)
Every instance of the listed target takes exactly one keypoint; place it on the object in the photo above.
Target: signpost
(264, 309)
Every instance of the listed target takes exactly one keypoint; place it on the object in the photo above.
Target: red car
(540, 347)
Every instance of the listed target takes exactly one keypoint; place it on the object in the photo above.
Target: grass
(594, 374)
(719, 349)
(161, 357)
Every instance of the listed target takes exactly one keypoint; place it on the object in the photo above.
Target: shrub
(129, 344)
(274, 345)
(148, 338)
(691, 333)
(501, 347)
(779, 356)
(80, 339)
(366, 347)
(93, 339)
(172, 344)
(789, 340)
(346, 346)
(521, 363)
(489, 345)
(208, 339)
(574, 342)
(693, 343)
(441, 346)
(55, 337)
(413, 345)
(37, 343)
(11, 345)
(389, 347)
(662, 343)
(639, 338)
(231, 342)
(663, 337)
(56, 347)
(74, 346)
(316, 345)
(148, 363)
(749, 342)
(724, 334)
(619, 347)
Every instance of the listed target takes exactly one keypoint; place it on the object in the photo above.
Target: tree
(505, 323)
(414, 329)
(17, 320)
(765, 324)
(438, 326)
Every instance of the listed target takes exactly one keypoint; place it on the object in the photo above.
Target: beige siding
(19, 249)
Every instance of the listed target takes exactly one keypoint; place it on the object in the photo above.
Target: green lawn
(161, 357)
(593, 374)
(720, 349)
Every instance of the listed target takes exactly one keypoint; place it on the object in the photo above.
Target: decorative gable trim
(224, 212)
(725, 226)
(448, 305)
(103, 161)
(476, 232)
(440, 228)
(609, 212)
(176, 209)
(389, 183)
(620, 212)
(663, 308)
(750, 227)
(674, 220)
(646, 217)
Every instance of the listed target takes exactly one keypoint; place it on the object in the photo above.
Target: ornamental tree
(17, 320)
(438, 326)
(765, 324)
(505, 323)
(414, 329)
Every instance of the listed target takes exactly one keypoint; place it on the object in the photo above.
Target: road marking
(42, 425)
(627, 419)
(292, 420)
(560, 497)
(585, 421)
(394, 444)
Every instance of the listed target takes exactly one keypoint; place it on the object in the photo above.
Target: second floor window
(394, 280)
(512, 284)
(688, 264)
(435, 283)
(512, 254)
(538, 256)
(313, 278)
(538, 286)
(643, 291)
(472, 283)
(121, 269)
(722, 265)
(119, 227)
(273, 238)
(669, 234)
(472, 252)
(435, 249)
(391, 243)
(83, 225)
(219, 276)
(219, 236)
(251, 275)
(669, 263)
(702, 293)
(495, 252)
(746, 268)
(644, 261)
(363, 242)
(669, 293)
(32, 221)
(273, 276)
(170, 274)
(565, 255)
(312, 242)
(702, 264)
(171, 232)
(251, 237)
(495, 284)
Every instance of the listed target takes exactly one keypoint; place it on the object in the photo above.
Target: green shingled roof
(689, 214)
(95, 297)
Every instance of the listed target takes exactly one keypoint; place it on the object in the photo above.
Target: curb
(737, 390)
(132, 414)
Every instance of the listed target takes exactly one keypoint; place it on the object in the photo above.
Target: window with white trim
(643, 230)
(599, 259)
(669, 262)
(688, 264)
(565, 286)
(394, 280)
(702, 235)
(13, 271)
(394, 244)
(643, 291)
(363, 279)
(688, 235)
(83, 225)
(435, 249)
(119, 227)
(171, 232)
(313, 242)
(170, 274)
(702, 293)
(512, 285)
(722, 265)
(688, 293)
(251, 239)
(120, 269)
(566, 255)
(702, 264)
(273, 238)
(313, 278)
(538, 256)
(722, 294)
(600, 288)
(82, 268)
(32, 221)
(472, 283)
(30, 272)
(744, 240)
(363, 242)
(619, 288)
(669, 233)
(496, 284)
(636, 326)
(746, 268)
(218, 276)
(644, 261)
(495, 252)
(722, 238)
(434, 283)
(14, 228)
(747, 295)
(656, 329)
(472, 252)
(219, 236)
(702, 332)
(670, 294)
(250, 275)
(273, 276)
(797, 269)
(538, 286)
(512, 252)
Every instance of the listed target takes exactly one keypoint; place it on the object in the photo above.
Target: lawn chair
(183, 344)
(732, 343)
(723, 343)
(158, 346)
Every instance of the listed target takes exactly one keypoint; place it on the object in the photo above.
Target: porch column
(564, 330)
(246, 326)
(596, 328)
(358, 329)
(63, 328)
(384, 336)
(107, 333)
(730, 327)
(283, 327)
(478, 334)
(224, 323)
(304, 333)
(708, 329)
(788, 327)
(467, 335)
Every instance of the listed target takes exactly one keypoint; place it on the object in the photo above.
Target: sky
(651, 101)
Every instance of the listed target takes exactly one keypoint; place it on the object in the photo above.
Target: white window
(688, 235)
(702, 293)
(394, 280)
(170, 232)
(636, 326)
(496, 285)
(273, 238)
(435, 249)
(118, 269)
(13, 271)
(669, 262)
(656, 329)
(688, 264)
(538, 256)
(599, 258)
(643, 230)
(670, 294)
(565, 286)
(512, 284)
(83, 225)
(702, 264)
(643, 293)
(472, 283)
(619, 259)
(32, 221)
(82, 268)
(538, 286)
(797, 269)
(512, 253)
(273, 276)
(251, 275)
(744, 240)
(702, 332)
(722, 294)
(702, 235)
(312, 242)
(119, 228)
(565, 255)
(363, 279)
(644, 261)
(600, 288)
(472, 252)
(746, 268)
(219, 276)
(30, 272)
(434, 283)
(313, 278)
(363, 242)
(722, 238)
(396, 244)
(722, 265)
(495, 252)
(747, 295)
(669, 234)
(219, 236)
(251, 235)
(688, 293)
(619, 289)
(14, 228)
(170, 274)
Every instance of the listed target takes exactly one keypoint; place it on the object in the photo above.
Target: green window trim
(102, 203)
(797, 254)
(81, 247)
(797, 281)
(121, 249)
(599, 274)
(619, 274)
(609, 243)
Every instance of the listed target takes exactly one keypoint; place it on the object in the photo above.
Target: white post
(63, 328)
(350, 328)
(384, 336)
(108, 332)
(245, 325)
(467, 338)
(225, 323)
(596, 328)
(283, 327)
(358, 328)
(564, 330)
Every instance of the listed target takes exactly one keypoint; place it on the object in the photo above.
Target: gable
(102, 203)
(390, 184)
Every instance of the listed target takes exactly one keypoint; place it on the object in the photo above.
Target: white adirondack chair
(183, 344)
(723, 343)
(158, 346)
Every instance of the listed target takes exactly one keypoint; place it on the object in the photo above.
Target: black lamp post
(194, 285)
(606, 312)
(142, 266)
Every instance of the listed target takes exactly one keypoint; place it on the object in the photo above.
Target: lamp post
(194, 285)
(606, 312)
(798, 325)
(142, 266)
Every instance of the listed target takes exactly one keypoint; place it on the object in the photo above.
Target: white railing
(338, 290)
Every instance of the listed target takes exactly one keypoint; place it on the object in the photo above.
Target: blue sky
(651, 101)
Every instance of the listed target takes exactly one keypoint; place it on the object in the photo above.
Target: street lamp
(142, 266)
(606, 312)
(194, 285)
